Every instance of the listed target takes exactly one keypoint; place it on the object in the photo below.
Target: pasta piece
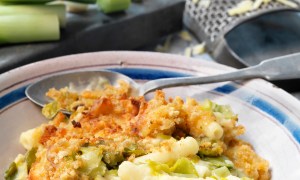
(181, 148)
(31, 138)
(214, 131)
(129, 170)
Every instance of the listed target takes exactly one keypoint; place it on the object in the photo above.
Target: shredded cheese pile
(250, 5)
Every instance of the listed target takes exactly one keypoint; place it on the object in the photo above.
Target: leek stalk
(58, 9)
(83, 1)
(110, 6)
(24, 1)
(42, 1)
(28, 28)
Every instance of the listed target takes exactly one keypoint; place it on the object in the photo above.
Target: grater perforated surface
(212, 22)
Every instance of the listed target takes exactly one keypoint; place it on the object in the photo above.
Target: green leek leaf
(11, 171)
(184, 166)
(30, 157)
(51, 109)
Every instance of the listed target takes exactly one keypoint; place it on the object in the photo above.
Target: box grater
(211, 23)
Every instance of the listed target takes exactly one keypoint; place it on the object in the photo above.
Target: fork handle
(284, 67)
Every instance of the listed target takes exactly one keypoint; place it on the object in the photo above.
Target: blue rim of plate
(150, 74)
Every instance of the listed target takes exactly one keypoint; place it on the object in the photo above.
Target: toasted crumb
(244, 157)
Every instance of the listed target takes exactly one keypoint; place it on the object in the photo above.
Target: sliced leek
(57, 9)
(28, 28)
(110, 6)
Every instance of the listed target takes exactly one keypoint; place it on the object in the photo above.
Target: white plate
(271, 116)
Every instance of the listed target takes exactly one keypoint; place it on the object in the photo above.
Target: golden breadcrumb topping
(117, 127)
(244, 157)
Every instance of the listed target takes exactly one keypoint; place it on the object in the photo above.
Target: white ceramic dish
(271, 116)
